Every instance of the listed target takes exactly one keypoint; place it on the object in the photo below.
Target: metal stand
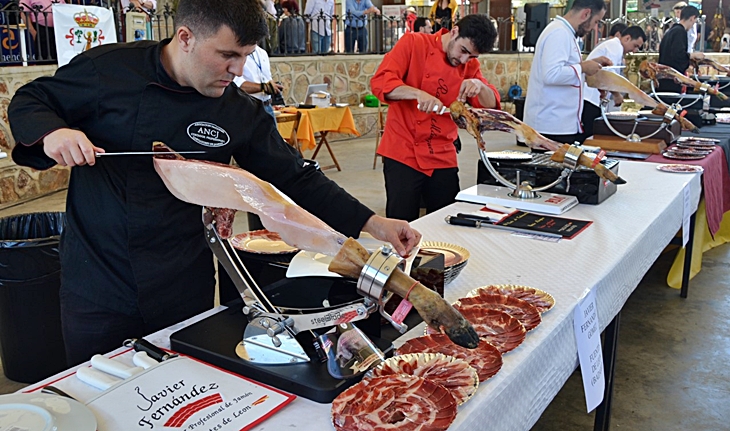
(678, 106)
(634, 137)
(269, 336)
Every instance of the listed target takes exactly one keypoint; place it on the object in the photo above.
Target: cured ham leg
(655, 71)
(479, 120)
(219, 186)
(709, 62)
(609, 81)
(226, 188)
(434, 310)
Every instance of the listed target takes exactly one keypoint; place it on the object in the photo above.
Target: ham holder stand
(312, 352)
(521, 194)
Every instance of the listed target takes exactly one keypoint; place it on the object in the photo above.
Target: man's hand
(696, 55)
(397, 232)
(470, 88)
(70, 147)
(428, 103)
(603, 61)
(590, 67)
(618, 98)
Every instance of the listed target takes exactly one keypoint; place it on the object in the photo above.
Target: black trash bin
(31, 343)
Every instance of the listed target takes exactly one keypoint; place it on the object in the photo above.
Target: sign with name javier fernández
(588, 336)
(186, 395)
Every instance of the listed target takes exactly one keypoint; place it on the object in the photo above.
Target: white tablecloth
(611, 256)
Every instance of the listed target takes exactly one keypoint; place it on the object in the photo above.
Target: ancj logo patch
(208, 134)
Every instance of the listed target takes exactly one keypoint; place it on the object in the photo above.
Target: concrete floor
(671, 370)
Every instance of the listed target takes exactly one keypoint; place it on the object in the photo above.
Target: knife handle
(154, 352)
(96, 378)
(115, 368)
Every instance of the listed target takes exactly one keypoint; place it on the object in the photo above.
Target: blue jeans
(270, 110)
(356, 34)
(320, 44)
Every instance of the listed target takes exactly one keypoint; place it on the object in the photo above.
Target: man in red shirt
(418, 77)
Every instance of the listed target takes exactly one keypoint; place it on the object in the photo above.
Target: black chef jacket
(673, 52)
(129, 244)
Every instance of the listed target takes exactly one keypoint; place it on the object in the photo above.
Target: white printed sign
(590, 354)
(80, 28)
(686, 214)
(184, 394)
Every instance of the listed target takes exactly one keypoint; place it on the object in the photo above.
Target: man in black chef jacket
(673, 49)
(133, 257)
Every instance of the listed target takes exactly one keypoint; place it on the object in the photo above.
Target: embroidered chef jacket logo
(435, 129)
(208, 134)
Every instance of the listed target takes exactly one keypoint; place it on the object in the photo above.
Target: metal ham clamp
(270, 337)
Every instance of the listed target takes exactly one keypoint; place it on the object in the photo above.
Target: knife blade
(437, 111)
(147, 153)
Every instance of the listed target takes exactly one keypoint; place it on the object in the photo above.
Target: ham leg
(709, 62)
(479, 120)
(654, 71)
(226, 188)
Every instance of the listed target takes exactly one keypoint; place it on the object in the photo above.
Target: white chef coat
(256, 69)
(554, 100)
(614, 51)
(691, 38)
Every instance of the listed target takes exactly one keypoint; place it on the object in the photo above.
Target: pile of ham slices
(420, 387)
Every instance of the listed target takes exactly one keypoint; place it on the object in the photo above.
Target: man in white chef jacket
(555, 89)
(630, 40)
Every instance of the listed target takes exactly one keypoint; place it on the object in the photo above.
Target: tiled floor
(671, 370)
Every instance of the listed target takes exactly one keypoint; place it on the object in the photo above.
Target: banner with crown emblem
(80, 28)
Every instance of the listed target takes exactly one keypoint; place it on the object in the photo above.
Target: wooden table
(315, 124)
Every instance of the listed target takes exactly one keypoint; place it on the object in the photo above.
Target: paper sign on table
(184, 394)
(590, 354)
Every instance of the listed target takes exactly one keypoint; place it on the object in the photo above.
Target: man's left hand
(397, 232)
(469, 88)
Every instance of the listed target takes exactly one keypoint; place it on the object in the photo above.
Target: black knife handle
(463, 221)
(142, 345)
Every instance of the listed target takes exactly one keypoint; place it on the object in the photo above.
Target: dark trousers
(590, 113)
(356, 34)
(89, 328)
(405, 186)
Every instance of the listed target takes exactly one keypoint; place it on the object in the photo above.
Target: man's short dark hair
(480, 30)
(635, 32)
(688, 12)
(619, 27)
(594, 5)
(418, 23)
(205, 17)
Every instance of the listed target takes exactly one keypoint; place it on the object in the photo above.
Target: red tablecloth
(715, 183)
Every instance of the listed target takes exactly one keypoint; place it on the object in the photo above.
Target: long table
(630, 230)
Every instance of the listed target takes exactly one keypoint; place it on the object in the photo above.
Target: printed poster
(80, 28)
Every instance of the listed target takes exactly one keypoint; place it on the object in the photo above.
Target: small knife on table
(147, 153)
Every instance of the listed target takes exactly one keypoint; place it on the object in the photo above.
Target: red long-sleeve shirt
(421, 140)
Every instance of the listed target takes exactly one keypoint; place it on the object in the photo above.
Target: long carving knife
(146, 153)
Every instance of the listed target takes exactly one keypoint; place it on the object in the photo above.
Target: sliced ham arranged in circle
(493, 326)
(486, 359)
(397, 402)
(517, 308)
(540, 299)
(456, 375)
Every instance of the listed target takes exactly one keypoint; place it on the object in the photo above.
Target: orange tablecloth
(332, 119)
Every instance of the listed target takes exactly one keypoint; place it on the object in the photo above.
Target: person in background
(146, 6)
(411, 16)
(41, 26)
(256, 79)
(616, 30)
(673, 49)
(443, 14)
(134, 258)
(292, 35)
(629, 40)
(421, 75)
(322, 25)
(356, 24)
(692, 32)
(423, 25)
(554, 101)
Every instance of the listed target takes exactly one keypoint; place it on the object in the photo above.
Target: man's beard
(584, 27)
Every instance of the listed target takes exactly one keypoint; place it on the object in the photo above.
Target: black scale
(583, 183)
(214, 339)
